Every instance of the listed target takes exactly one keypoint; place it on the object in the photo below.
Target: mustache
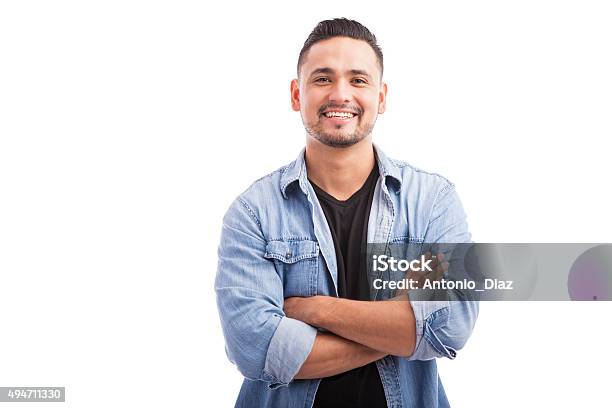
(352, 108)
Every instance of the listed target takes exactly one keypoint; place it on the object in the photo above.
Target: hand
(438, 268)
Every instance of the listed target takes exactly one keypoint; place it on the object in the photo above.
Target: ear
(295, 95)
(382, 98)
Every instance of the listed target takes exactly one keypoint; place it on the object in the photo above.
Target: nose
(340, 92)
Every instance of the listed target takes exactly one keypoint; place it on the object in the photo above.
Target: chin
(340, 141)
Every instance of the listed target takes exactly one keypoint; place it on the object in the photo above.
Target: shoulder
(262, 193)
(267, 186)
(414, 178)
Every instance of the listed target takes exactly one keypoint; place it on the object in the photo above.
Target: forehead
(341, 54)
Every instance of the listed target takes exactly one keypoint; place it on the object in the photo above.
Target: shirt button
(288, 255)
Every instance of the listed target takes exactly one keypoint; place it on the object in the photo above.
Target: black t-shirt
(348, 223)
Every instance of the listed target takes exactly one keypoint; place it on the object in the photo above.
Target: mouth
(339, 116)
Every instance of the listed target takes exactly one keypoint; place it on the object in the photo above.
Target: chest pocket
(297, 263)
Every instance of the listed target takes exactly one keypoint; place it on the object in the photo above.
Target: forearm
(331, 355)
(387, 326)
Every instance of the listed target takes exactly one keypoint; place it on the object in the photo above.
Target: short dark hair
(340, 27)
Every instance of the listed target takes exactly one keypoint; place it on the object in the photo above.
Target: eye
(360, 81)
(322, 80)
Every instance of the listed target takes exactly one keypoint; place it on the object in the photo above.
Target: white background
(128, 127)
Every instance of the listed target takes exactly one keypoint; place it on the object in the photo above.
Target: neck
(339, 171)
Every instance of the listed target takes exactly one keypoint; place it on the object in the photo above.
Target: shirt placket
(385, 213)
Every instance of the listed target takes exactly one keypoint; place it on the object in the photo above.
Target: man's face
(339, 92)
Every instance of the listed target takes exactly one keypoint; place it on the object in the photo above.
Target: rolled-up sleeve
(260, 340)
(444, 326)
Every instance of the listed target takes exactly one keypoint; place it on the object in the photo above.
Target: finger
(439, 258)
(442, 268)
(434, 266)
(431, 265)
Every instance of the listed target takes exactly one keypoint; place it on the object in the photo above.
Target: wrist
(322, 310)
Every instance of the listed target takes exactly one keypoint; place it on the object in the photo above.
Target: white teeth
(339, 114)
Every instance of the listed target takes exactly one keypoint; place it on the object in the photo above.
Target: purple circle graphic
(590, 277)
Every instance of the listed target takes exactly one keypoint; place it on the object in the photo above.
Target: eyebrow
(327, 70)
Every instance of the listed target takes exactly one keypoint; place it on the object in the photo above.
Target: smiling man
(300, 317)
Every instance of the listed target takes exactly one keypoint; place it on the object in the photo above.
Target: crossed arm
(361, 332)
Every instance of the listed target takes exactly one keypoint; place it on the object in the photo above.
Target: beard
(338, 137)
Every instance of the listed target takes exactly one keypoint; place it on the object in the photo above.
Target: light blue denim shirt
(275, 243)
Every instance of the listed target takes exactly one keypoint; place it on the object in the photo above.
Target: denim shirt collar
(296, 171)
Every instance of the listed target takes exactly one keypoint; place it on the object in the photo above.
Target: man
(300, 319)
